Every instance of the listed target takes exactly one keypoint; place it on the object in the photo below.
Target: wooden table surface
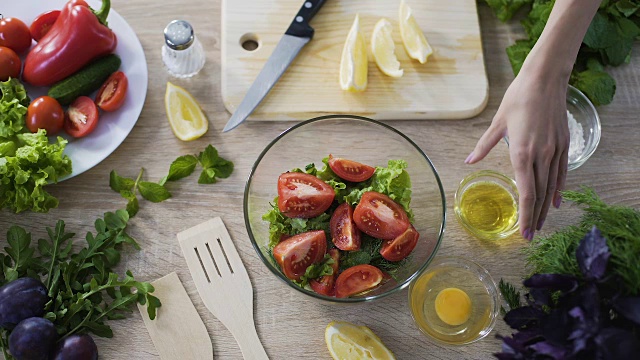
(291, 326)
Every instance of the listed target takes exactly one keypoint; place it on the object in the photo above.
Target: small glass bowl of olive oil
(486, 204)
(455, 301)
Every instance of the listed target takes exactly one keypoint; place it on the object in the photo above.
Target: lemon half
(412, 36)
(383, 49)
(186, 118)
(347, 341)
(354, 62)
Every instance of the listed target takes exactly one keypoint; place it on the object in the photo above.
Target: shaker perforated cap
(178, 35)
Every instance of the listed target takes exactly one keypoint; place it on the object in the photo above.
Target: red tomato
(295, 254)
(400, 247)
(81, 118)
(344, 232)
(350, 170)
(379, 216)
(41, 25)
(357, 279)
(15, 35)
(112, 93)
(45, 113)
(10, 64)
(325, 284)
(303, 195)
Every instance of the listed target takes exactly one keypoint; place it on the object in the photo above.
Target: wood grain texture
(291, 326)
(178, 331)
(451, 85)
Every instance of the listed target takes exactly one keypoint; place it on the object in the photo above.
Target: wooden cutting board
(452, 85)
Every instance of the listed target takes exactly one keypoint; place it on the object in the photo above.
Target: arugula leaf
(19, 251)
(505, 9)
(13, 107)
(153, 192)
(599, 86)
(55, 252)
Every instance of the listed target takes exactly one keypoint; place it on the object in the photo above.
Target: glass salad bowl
(362, 140)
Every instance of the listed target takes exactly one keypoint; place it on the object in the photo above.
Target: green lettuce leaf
(13, 107)
(280, 225)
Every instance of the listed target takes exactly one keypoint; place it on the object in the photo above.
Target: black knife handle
(300, 26)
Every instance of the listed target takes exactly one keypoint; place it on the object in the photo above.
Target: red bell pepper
(79, 36)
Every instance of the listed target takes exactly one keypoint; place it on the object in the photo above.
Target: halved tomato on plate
(357, 279)
(344, 232)
(113, 92)
(350, 170)
(297, 253)
(303, 196)
(81, 117)
(400, 247)
(379, 216)
(325, 284)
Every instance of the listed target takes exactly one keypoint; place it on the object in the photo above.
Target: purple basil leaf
(523, 316)
(628, 307)
(549, 349)
(557, 326)
(541, 297)
(552, 282)
(505, 356)
(615, 343)
(593, 254)
(586, 318)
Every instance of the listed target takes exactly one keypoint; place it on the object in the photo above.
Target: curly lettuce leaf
(24, 175)
(13, 107)
(315, 271)
(280, 225)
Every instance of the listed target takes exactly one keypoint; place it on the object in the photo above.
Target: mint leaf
(505, 9)
(597, 85)
(626, 7)
(207, 176)
(118, 183)
(132, 204)
(537, 19)
(223, 168)
(153, 192)
(208, 157)
(182, 167)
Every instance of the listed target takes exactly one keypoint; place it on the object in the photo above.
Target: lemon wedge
(412, 36)
(186, 118)
(354, 63)
(347, 341)
(383, 49)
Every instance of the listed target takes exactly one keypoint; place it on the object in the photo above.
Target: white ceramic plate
(113, 127)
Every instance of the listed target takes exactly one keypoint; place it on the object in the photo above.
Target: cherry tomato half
(303, 195)
(15, 35)
(379, 216)
(42, 24)
(400, 247)
(295, 254)
(81, 117)
(325, 284)
(357, 279)
(10, 64)
(350, 170)
(344, 232)
(45, 113)
(112, 93)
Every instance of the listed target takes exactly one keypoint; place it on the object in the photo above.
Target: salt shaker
(182, 53)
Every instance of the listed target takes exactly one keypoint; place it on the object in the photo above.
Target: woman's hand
(533, 114)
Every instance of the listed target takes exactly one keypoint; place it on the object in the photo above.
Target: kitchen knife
(295, 38)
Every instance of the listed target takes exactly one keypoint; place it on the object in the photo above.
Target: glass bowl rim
(497, 300)
(597, 128)
(279, 274)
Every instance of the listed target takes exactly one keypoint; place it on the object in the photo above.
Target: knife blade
(294, 39)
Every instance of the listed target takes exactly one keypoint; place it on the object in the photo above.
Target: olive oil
(488, 208)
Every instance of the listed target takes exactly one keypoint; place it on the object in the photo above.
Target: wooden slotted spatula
(223, 282)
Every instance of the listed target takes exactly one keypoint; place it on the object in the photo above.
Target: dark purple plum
(76, 347)
(21, 299)
(32, 339)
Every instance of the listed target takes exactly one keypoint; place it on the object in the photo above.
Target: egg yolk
(453, 306)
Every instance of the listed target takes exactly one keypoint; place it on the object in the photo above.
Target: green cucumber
(86, 80)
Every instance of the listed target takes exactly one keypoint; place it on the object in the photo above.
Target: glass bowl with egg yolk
(455, 301)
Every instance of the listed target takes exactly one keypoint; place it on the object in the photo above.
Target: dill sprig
(510, 294)
(620, 225)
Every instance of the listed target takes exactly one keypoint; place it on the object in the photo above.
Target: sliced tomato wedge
(42, 24)
(303, 195)
(400, 247)
(112, 93)
(297, 253)
(357, 279)
(350, 170)
(325, 284)
(344, 232)
(81, 118)
(379, 216)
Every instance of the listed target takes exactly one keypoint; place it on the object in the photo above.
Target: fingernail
(557, 201)
(525, 234)
(540, 223)
(469, 158)
(531, 235)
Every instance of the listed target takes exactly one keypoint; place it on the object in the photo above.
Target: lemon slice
(354, 62)
(187, 120)
(383, 49)
(347, 341)
(412, 36)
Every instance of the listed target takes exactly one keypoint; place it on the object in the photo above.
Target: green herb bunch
(83, 289)
(608, 41)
